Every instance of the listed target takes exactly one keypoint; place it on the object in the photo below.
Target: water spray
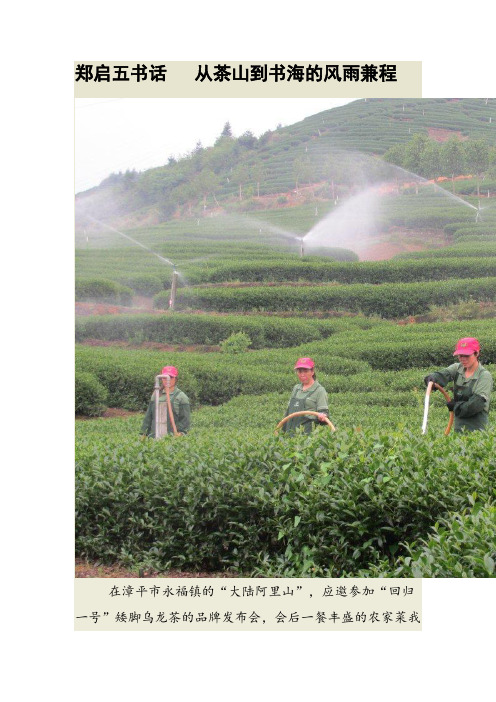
(438, 188)
(135, 241)
(175, 274)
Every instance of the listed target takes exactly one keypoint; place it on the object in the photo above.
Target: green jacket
(313, 399)
(472, 395)
(180, 409)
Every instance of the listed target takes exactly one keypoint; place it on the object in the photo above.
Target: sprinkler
(302, 250)
(172, 299)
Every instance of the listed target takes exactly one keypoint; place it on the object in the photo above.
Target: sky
(113, 135)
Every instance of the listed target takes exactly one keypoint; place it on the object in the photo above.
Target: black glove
(430, 379)
(451, 405)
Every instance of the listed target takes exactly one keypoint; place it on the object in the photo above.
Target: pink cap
(169, 370)
(304, 363)
(466, 346)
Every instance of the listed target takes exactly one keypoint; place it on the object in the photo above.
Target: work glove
(451, 405)
(428, 379)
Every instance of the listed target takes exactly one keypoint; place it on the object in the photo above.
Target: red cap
(169, 370)
(466, 346)
(304, 363)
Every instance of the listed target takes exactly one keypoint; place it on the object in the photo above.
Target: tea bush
(325, 504)
(99, 290)
(389, 300)
(90, 394)
(374, 272)
(352, 359)
(177, 328)
(475, 250)
(143, 283)
(459, 546)
(129, 378)
(238, 342)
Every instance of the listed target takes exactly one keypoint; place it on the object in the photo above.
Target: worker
(308, 394)
(472, 386)
(179, 402)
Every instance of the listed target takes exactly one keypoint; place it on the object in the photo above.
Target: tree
(477, 158)
(248, 140)
(204, 184)
(302, 170)
(430, 160)
(222, 156)
(396, 155)
(241, 176)
(414, 152)
(452, 159)
(227, 131)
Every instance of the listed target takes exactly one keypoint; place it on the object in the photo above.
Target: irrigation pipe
(158, 378)
(299, 414)
(426, 407)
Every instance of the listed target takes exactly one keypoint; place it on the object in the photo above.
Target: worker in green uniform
(472, 386)
(179, 402)
(308, 394)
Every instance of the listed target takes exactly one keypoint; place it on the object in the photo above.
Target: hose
(448, 399)
(299, 414)
(171, 415)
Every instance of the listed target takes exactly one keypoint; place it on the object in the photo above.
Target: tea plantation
(375, 498)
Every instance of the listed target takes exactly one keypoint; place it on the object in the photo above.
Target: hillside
(324, 156)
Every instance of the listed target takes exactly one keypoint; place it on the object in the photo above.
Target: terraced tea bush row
(388, 300)
(145, 283)
(349, 360)
(103, 291)
(209, 379)
(467, 228)
(460, 250)
(394, 347)
(325, 504)
(392, 408)
(479, 239)
(213, 379)
(176, 328)
(349, 273)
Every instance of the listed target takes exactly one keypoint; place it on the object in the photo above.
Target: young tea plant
(236, 343)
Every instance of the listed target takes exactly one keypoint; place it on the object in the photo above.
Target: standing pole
(172, 299)
(161, 419)
(156, 392)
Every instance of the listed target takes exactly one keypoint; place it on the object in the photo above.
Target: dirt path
(85, 569)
